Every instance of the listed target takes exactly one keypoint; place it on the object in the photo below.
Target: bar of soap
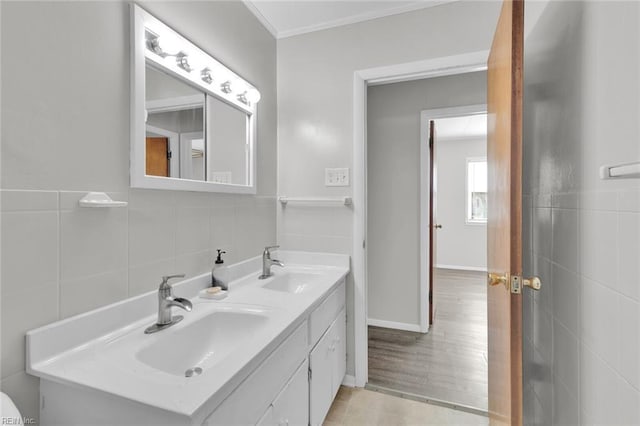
(213, 293)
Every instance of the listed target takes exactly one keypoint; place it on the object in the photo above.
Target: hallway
(449, 362)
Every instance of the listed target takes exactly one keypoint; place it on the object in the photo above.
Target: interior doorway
(448, 363)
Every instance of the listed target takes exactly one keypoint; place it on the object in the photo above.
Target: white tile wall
(585, 327)
(59, 259)
(586, 231)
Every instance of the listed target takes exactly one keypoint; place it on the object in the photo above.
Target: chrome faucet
(166, 301)
(268, 262)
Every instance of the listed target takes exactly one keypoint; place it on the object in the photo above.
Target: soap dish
(204, 293)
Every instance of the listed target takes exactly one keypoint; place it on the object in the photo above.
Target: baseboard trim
(463, 268)
(349, 381)
(395, 325)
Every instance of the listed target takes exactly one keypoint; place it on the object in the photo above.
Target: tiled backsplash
(581, 332)
(59, 259)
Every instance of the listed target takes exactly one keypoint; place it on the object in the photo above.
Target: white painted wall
(459, 244)
(315, 129)
(393, 185)
(582, 234)
(65, 130)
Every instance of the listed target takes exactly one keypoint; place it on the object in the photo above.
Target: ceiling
(286, 18)
(466, 127)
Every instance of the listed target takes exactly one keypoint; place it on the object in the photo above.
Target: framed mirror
(193, 119)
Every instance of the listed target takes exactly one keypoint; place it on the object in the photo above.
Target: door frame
(437, 67)
(425, 244)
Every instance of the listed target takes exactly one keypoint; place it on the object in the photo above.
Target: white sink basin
(292, 282)
(192, 349)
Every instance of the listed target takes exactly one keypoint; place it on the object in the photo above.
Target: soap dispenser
(219, 261)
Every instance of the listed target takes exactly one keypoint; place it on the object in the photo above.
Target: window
(476, 190)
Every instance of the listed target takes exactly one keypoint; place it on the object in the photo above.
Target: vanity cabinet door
(328, 363)
(291, 407)
(339, 352)
(320, 392)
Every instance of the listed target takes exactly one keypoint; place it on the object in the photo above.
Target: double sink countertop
(220, 341)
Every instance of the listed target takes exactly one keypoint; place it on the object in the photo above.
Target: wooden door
(504, 233)
(432, 216)
(157, 156)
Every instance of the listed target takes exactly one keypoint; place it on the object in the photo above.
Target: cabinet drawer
(322, 317)
(249, 401)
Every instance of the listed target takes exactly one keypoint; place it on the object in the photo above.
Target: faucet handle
(166, 278)
(267, 252)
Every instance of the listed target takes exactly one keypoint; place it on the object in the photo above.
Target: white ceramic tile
(151, 199)
(221, 223)
(565, 406)
(24, 390)
(17, 200)
(598, 389)
(316, 243)
(629, 348)
(542, 200)
(195, 199)
(317, 220)
(542, 237)
(535, 412)
(152, 235)
(599, 200)
(629, 254)
(565, 238)
(599, 242)
(543, 333)
(599, 319)
(566, 298)
(566, 358)
(567, 200)
(147, 277)
(629, 201)
(88, 293)
(92, 241)
(543, 387)
(23, 308)
(192, 230)
(193, 264)
(628, 404)
(544, 296)
(29, 248)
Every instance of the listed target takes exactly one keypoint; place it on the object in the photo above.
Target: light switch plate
(336, 177)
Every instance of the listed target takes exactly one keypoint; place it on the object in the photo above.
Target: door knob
(533, 283)
(437, 226)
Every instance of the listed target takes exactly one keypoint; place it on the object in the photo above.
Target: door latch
(515, 282)
(518, 282)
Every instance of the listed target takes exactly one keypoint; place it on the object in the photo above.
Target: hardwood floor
(449, 363)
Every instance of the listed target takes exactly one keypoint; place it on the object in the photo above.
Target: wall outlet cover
(336, 177)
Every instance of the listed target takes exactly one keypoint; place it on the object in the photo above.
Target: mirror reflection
(175, 128)
(190, 135)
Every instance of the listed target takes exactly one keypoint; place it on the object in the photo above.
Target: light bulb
(253, 95)
(227, 86)
(182, 61)
(169, 45)
(206, 76)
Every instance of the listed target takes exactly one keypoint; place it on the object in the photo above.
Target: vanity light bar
(168, 50)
